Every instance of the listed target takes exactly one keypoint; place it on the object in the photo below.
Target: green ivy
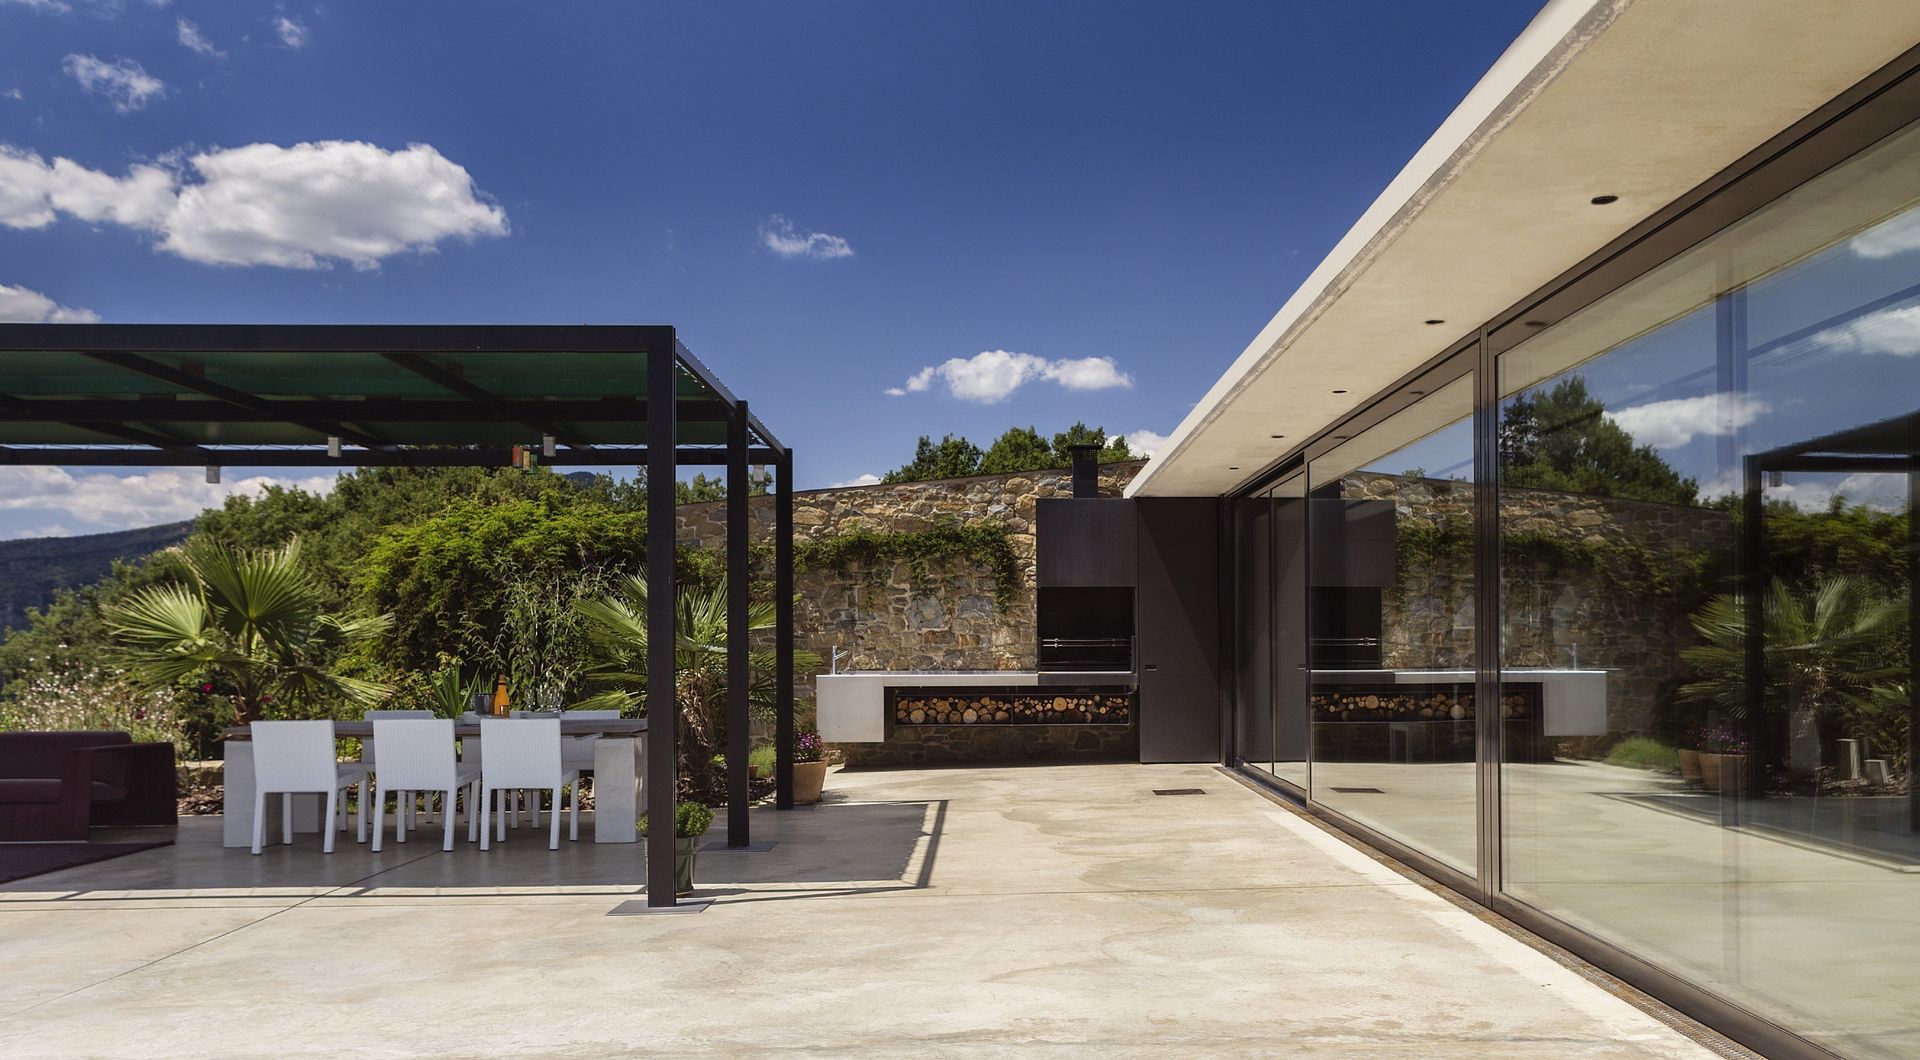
(1671, 575)
(986, 545)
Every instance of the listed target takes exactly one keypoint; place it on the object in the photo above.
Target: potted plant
(760, 762)
(1723, 759)
(690, 821)
(809, 765)
(1690, 766)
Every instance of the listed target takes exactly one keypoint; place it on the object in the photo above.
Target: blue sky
(828, 199)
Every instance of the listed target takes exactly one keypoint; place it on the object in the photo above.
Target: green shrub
(1644, 752)
(762, 758)
(690, 820)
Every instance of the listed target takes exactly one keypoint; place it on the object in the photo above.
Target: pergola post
(738, 584)
(783, 634)
(662, 706)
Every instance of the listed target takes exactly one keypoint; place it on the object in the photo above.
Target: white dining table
(619, 777)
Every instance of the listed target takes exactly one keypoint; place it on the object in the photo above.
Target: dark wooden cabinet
(1086, 541)
(1177, 629)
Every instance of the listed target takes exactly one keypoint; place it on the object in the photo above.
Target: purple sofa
(54, 785)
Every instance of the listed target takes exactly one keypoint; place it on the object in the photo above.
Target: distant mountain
(31, 569)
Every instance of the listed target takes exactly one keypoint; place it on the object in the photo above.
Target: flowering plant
(808, 747)
(1722, 739)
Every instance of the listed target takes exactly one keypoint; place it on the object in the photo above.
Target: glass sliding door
(1390, 581)
(1708, 558)
(1290, 732)
(1253, 633)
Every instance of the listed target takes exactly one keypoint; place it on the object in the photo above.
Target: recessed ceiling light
(1536, 323)
(1602, 200)
(1276, 436)
(1339, 391)
(1339, 437)
(1233, 469)
(1416, 393)
(1436, 321)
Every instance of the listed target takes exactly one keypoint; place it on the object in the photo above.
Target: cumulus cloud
(195, 41)
(1894, 332)
(13, 93)
(51, 530)
(1896, 235)
(122, 82)
(301, 207)
(292, 31)
(1677, 421)
(868, 479)
(50, 7)
(993, 375)
(1144, 442)
(32, 307)
(118, 502)
(781, 237)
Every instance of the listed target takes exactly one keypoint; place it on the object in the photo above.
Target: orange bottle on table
(500, 702)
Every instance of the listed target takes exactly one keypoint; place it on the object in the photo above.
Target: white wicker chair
(369, 761)
(297, 758)
(416, 754)
(523, 753)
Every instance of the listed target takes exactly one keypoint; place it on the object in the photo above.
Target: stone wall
(950, 622)
(1552, 611)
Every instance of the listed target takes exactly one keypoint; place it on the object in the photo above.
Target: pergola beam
(440, 376)
(428, 456)
(15, 409)
(239, 399)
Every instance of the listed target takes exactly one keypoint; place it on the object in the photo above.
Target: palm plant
(253, 618)
(1827, 648)
(617, 629)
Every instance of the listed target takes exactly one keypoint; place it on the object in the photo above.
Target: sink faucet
(834, 666)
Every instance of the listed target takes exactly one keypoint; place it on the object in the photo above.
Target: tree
(252, 618)
(1113, 449)
(617, 627)
(1561, 439)
(1819, 651)
(448, 580)
(1020, 449)
(950, 457)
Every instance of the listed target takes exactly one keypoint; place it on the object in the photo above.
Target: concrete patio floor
(1063, 910)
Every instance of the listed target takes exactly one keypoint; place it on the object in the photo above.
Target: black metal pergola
(144, 395)
(1890, 446)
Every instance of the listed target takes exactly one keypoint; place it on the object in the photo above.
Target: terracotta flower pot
(1690, 765)
(808, 779)
(1724, 773)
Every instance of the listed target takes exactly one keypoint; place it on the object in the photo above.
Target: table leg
(616, 789)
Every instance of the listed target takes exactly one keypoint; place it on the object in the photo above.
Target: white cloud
(301, 207)
(1145, 442)
(13, 93)
(51, 7)
(32, 307)
(868, 479)
(195, 41)
(53, 530)
(1886, 331)
(120, 502)
(993, 375)
(292, 31)
(781, 237)
(1814, 491)
(123, 82)
(1676, 421)
(894, 391)
(1896, 235)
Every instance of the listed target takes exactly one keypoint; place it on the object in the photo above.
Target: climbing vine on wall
(986, 545)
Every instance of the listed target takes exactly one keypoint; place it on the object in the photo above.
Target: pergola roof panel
(294, 386)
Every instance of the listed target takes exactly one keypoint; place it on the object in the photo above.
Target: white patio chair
(368, 752)
(576, 752)
(416, 754)
(297, 758)
(523, 753)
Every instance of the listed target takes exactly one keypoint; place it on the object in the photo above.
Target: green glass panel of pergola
(515, 375)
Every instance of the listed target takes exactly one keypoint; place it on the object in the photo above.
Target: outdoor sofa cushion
(53, 785)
